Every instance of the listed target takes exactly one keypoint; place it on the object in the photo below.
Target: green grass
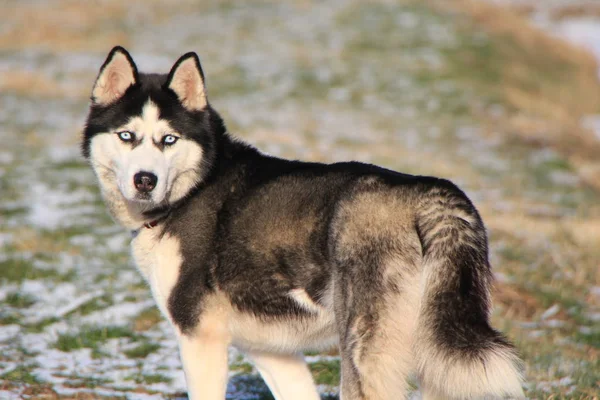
(92, 337)
(16, 269)
(69, 165)
(40, 325)
(95, 304)
(142, 350)
(241, 367)
(326, 372)
(591, 339)
(21, 374)
(18, 300)
(11, 212)
(85, 382)
(9, 318)
(149, 378)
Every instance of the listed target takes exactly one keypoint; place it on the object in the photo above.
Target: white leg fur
(205, 365)
(426, 395)
(288, 377)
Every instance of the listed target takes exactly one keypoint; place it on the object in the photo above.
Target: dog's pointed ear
(186, 79)
(116, 75)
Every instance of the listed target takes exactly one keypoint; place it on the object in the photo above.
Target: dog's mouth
(143, 198)
(141, 195)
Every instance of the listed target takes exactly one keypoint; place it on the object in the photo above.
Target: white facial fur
(177, 167)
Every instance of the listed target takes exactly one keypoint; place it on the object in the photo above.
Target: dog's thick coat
(277, 257)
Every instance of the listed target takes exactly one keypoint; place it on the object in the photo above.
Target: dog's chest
(159, 259)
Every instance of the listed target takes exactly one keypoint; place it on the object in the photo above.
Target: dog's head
(150, 138)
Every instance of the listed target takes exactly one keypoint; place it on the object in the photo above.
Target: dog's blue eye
(169, 140)
(126, 136)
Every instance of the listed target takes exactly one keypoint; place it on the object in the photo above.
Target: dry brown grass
(71, 25)
(62, 25)
(36, 84)
(547, 85)
(30, 240)
(147, 319)
(584, 9)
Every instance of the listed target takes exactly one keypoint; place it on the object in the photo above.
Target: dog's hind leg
(377, 256)
(429, 395)
(377, 338)
(287, 376)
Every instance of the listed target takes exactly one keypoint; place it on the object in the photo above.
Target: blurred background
(501, 97)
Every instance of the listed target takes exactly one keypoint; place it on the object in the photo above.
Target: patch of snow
(592, 122)
(536, 334)
(33, 287)
(8, 332)
(584, 32)
(565, 178)
(7, 288)
(51, 209)
(6, 157)
(6, 395)
(83, 240)
(529, 324)
(62, 153)
(117, 314)
(118, 242)
(145, 396)
(554, 323)
(550, 312)
(78, 302)
(586, 330)
(594, 316)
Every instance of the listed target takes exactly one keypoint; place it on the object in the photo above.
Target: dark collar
(150, 225)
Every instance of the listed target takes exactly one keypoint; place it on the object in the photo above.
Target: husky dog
(277, 257)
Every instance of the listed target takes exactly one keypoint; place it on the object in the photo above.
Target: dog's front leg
(204, 360)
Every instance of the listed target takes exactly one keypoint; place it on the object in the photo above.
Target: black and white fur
(277, 257)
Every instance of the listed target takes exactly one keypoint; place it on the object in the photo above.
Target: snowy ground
(326, 81)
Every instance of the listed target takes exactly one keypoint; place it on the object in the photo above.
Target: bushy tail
(459, 355)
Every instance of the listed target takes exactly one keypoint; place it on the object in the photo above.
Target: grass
(85, 382)
(390, 83)
(18, 269)
(241, 367)
(41, 325)
(326, 372)
(92, 337)
(149, 378)
(9, 318)
(142, 350)
(147, 319)
(18, 300)
(95, 304)
(21, 374)
(548, 83)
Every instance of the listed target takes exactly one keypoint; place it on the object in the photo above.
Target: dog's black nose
(145, 181)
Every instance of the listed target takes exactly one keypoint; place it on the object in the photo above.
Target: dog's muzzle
(144, 181)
